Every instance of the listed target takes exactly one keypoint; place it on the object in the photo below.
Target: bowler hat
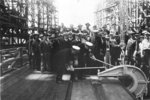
(88, 24)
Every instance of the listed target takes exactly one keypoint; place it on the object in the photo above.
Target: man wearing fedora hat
(46, 48)
(88, 31)
(130, 48)
(145, 53)
(136, 54)
(145, 46)
(29, 50)
(36, 52)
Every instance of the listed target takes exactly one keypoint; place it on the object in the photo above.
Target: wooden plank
(13, 74)
(98, 90)
(69, 91)
(39, 94)
(56, 91)
(36, 90)
(111, 89)
(14, 80)
(59, 92)
(116, 92)
(35, 87)
(49, 92)
(82, 90)
(25, 83)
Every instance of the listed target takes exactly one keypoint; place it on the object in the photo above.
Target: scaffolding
(124, 14)
(20, 18)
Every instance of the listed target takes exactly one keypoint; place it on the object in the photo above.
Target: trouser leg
(31, 61)
(48, 62)
(60, 72)
(34, 62)
(38, 62)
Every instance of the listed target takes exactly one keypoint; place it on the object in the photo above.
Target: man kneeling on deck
(63, 59)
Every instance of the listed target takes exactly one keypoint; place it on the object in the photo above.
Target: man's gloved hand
(92, 57)
(69, 67)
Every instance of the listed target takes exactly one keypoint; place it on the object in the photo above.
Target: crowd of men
(76, 47)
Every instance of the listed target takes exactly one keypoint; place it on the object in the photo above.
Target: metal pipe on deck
(84, 68)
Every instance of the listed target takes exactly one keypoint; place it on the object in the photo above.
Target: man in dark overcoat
(63, 59)
(36, 53)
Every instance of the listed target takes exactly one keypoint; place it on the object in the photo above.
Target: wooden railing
(12, 58)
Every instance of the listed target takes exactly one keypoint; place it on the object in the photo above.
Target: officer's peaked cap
(76, 47)
(89, 44)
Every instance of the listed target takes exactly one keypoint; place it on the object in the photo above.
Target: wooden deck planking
(37, 86)
(111, 90)
(49, 91)
(9, 76)
(14, 79)
(15, 90)
(98, 90)
(56, 91)
(116, 92)
(82, 90)
(32, 85)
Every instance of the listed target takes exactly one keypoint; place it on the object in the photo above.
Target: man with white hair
(145, 53)
(130, 48)
(144, 47)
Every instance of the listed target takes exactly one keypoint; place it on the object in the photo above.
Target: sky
(76, 11)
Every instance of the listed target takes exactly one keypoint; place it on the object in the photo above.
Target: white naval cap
(76, 47)
(95, 31)
(89, 44)
(145, 32)
(36, 32)
(80, 33)
(130, 32)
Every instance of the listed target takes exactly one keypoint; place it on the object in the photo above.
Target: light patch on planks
(37, 74)
(66, 77)
(82, 90)
(116, 92)
(92, 77)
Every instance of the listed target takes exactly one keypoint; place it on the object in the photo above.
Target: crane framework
(123, 13)
(20, 18)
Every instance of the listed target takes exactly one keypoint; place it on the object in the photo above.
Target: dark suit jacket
(61, 58)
